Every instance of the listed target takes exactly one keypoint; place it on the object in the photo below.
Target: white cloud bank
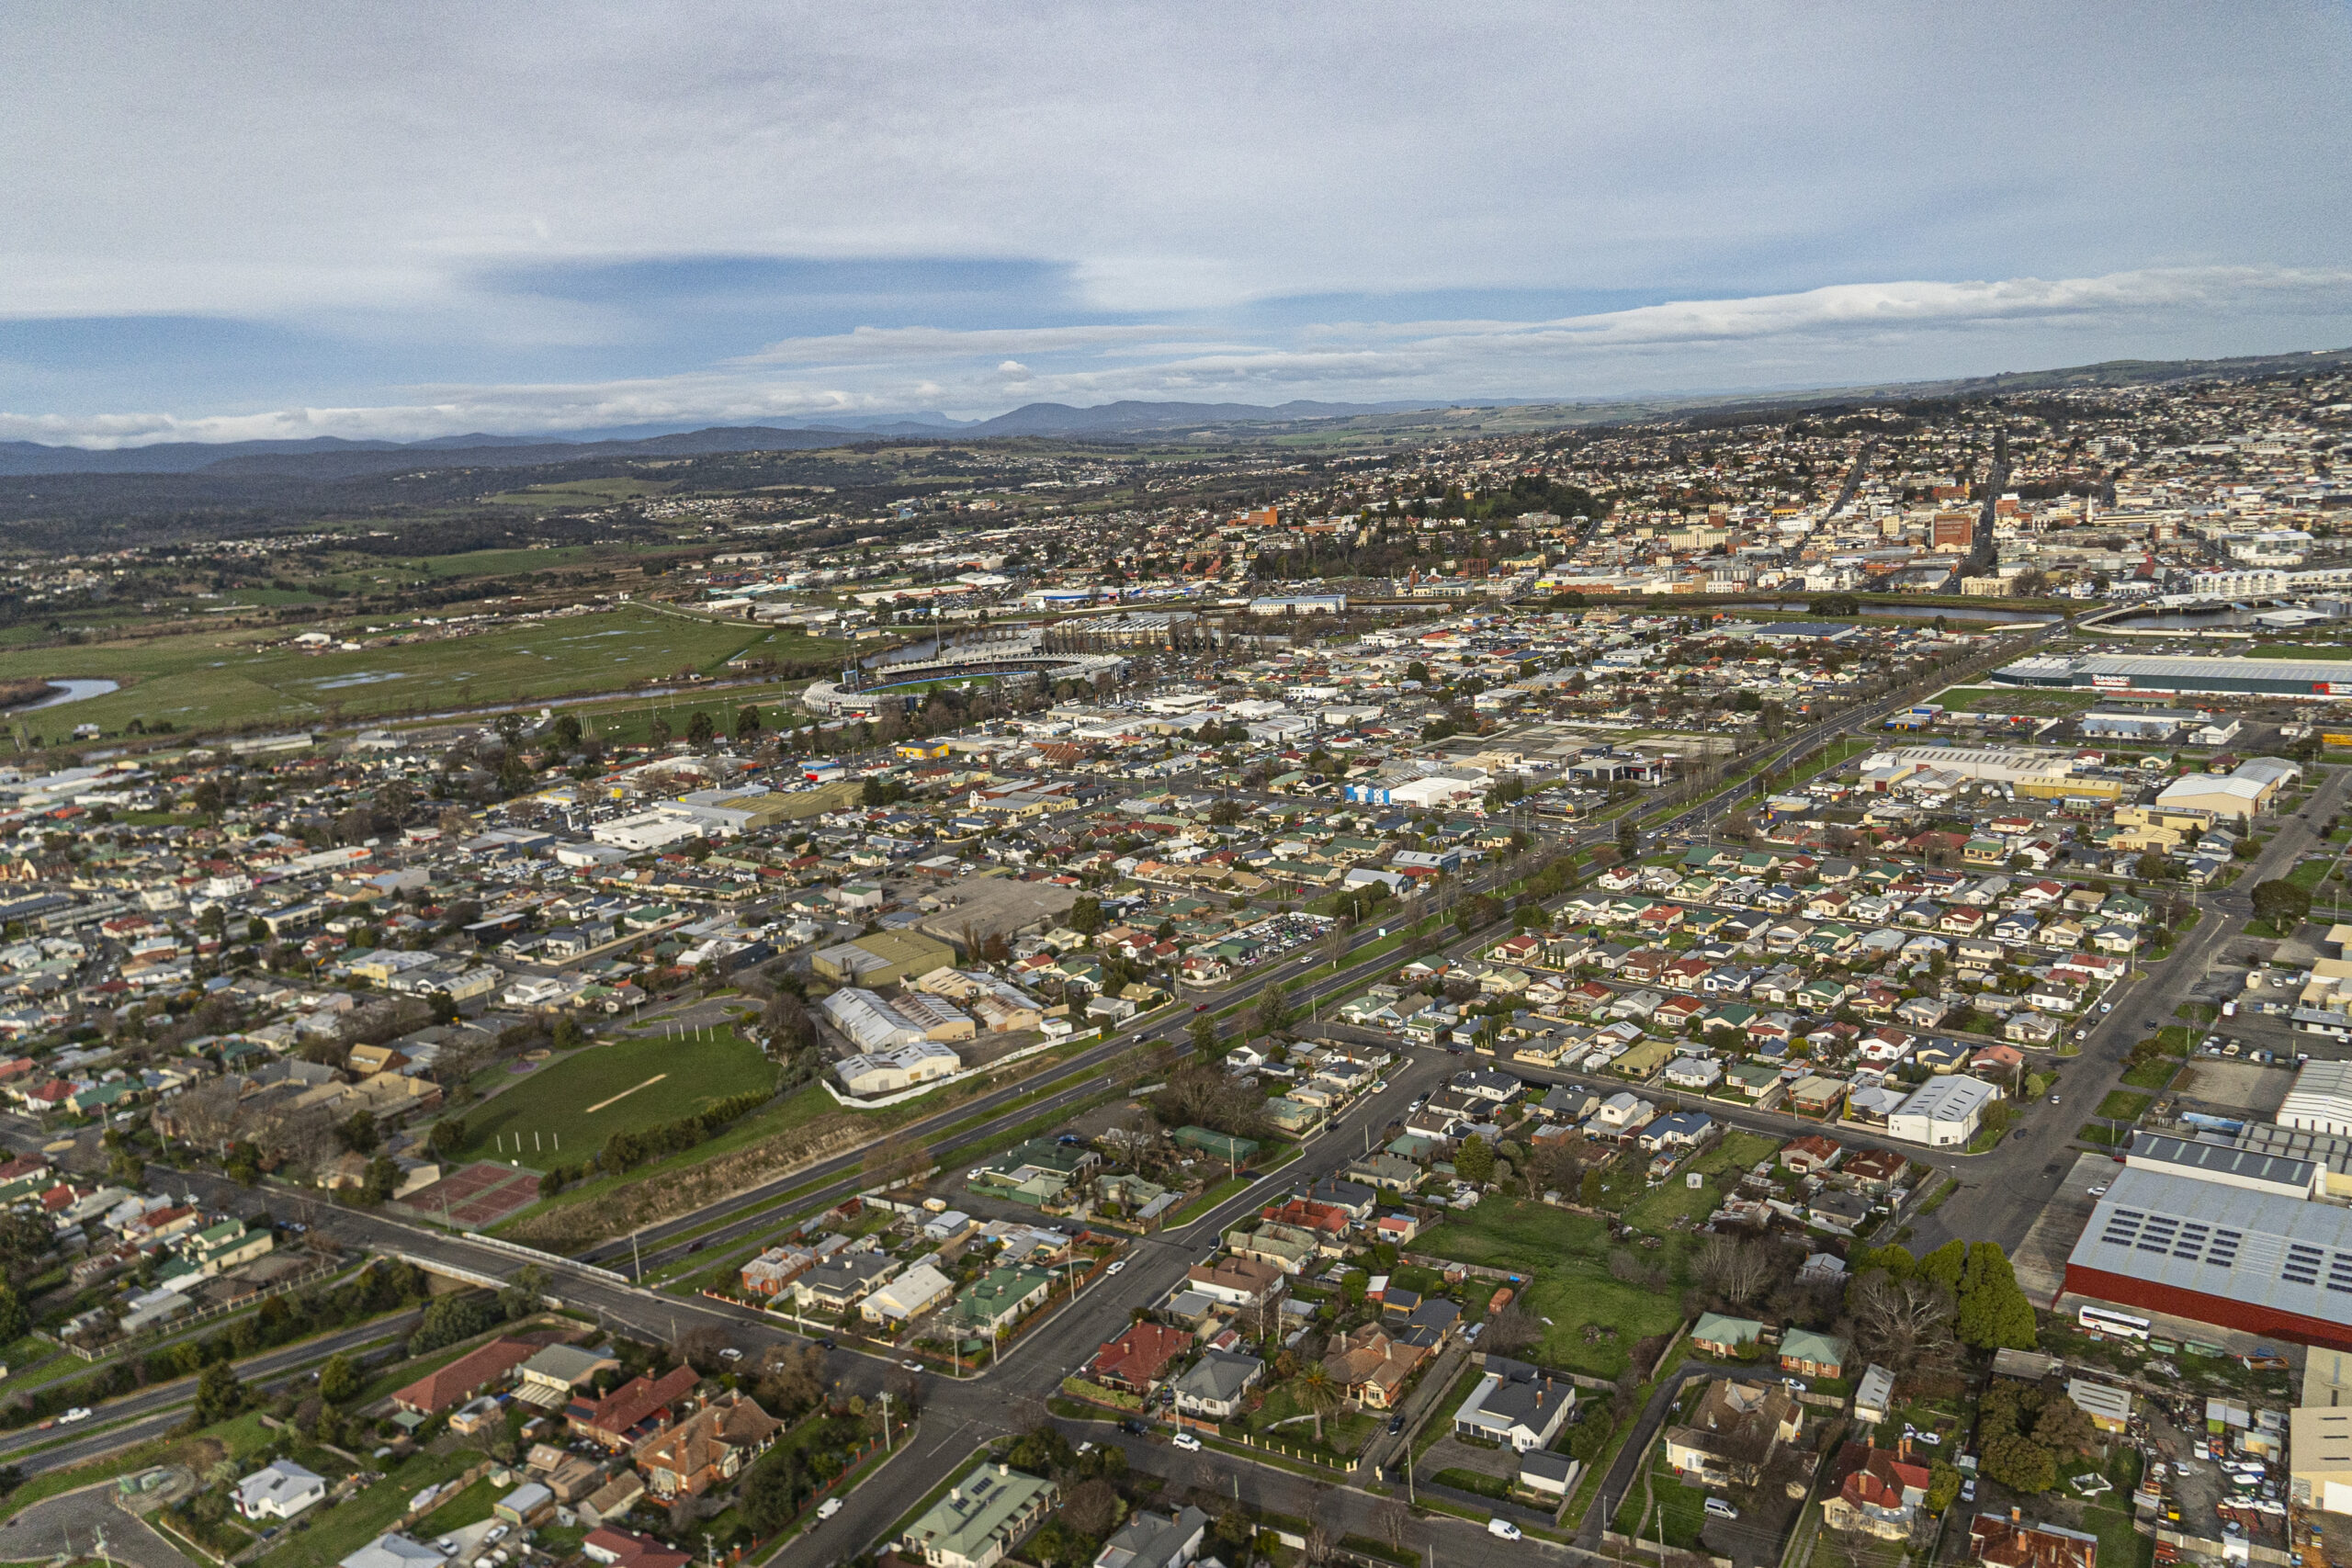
(1839, 335)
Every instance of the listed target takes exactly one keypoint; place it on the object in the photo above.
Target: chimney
(1003, 1469)
(2016, 1513)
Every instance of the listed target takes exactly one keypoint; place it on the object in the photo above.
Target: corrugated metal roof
(2233, 1243)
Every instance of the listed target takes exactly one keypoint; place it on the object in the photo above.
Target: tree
(1992, 1312)
(699, 729)
(1509, 1331)
(2281, 903)
(1202, 1029)
(2020, 1464)
(1085, 916)
(220, 1394)
(1318, 1393)
(448, 1136)
(1629, 836)
(1736, 1271)
(1474, 1161)
(1905, 1325)
(747, 723)
(1092, 1508)
(339, 1380)
(14, 1320)
(383, 1179)
(773, 1489)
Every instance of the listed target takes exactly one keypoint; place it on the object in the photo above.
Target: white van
(1721, 1509)
(1502, 1530)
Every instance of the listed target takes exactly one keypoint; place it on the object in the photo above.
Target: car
(2053, 1100)
(1067, 1139)
(911, 1365)
(1968, 1490)
(447, 1545)
(2107, 1007)
(1503, 1529)
(1380, 1085)
(79, 1412)
(1721, 1509)
(1929, 1438)
(730, 1354)
(828, 1343)
(975, 1173)
(1795, 1386)
(828, 1508)
(1396, 1424)
(2098, 1190)
(497, 1533)
(2080, 1033)
(1087, 1447)
(1186, 1441)
(1202, 1006)
(1132, 1428)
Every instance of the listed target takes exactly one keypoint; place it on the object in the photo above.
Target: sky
(238, 221)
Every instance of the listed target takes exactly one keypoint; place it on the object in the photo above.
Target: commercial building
(883, 958)
(2133, 672)
(2319, 1458)
(2320, 1101)
(2218, 1253)
(1942, 1111)
(2225, 1163)
(2243, 794)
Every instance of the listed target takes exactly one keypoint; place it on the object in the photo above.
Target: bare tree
(1735, 1270)
(1509, 1331)
(1906, 1325)
(208, 1116)
(1392, 1519)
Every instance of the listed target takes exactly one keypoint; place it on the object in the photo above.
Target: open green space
(1675, 1513)
(564, 495)
(1675, 1199)
(2015, 699)
(343, 1528)
(1568, 1257)
(2122, 1105)
(224, 680)
(566, 1108)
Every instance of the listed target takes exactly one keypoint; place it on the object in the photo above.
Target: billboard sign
(2113, 683)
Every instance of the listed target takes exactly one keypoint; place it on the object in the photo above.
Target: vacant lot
(2017, 699)
(206, 683)
(1567, 1257)
(563, 1111)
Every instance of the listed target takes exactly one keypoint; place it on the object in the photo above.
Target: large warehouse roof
(2320, 1101)
(2243, 1249)
(2149, 672)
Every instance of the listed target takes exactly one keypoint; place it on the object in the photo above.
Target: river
(75, 691)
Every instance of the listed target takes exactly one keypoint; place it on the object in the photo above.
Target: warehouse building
(2135, 672)
(2217, 1254)
(2228, 1163)
(2320, 1101)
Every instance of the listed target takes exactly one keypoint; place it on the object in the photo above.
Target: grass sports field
(568, 1106)
(202, 683)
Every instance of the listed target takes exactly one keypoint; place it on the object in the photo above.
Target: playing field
(200, 683)
(565, 1110)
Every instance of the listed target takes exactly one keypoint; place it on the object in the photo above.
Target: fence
(180, 1322)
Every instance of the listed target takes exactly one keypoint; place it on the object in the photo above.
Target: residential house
(1877, 1493)
(982, 1519)
(2003, 1540)
(639, 1406)
(278, 1490)
(1372, 1365)
(1719, 1335)
(707, 1448)
(1155, 1540)
(1213, 1387)
(1136, 1359)
(464, 1378)
(1813, 1354)
(1733, 1432)
(1515, 1405)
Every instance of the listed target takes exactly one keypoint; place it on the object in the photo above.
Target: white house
(279, 1490)
(908, 1296)
(1942, 1111)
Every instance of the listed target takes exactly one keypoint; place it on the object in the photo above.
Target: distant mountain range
(329, 457)
(334, 457)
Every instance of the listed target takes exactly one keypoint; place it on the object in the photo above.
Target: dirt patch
(2237, 1086)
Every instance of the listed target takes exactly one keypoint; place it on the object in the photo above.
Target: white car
(730, 1354)
(1502, 1530)
(975, 1173)
(2107, 1007)
(1186, 1441)
(1380, 1085)
(1722, 1509)
(2098, 1190)
(911, 1364)
(1116, 1264)
(829, 1507)
(497, 1532)
(79, 1412)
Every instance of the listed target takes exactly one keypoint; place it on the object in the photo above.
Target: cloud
(1846, 333)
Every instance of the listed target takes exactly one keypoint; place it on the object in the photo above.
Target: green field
(566, 494)
(2299, 651)
(1567, 1257)
(224, 680)
(551, 1104)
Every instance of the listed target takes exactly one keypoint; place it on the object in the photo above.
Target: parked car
(1968, 1490)
(1186, 1441)
(911, 1364)
(1503, 1529)
(1722, 1509)
(497, 1533)
(1396, 1424)
(1116, 1264)
(730, 1354)
(1132, 1428)
(828, 1508)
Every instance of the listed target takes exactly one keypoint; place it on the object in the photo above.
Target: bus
(2120, 1325)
